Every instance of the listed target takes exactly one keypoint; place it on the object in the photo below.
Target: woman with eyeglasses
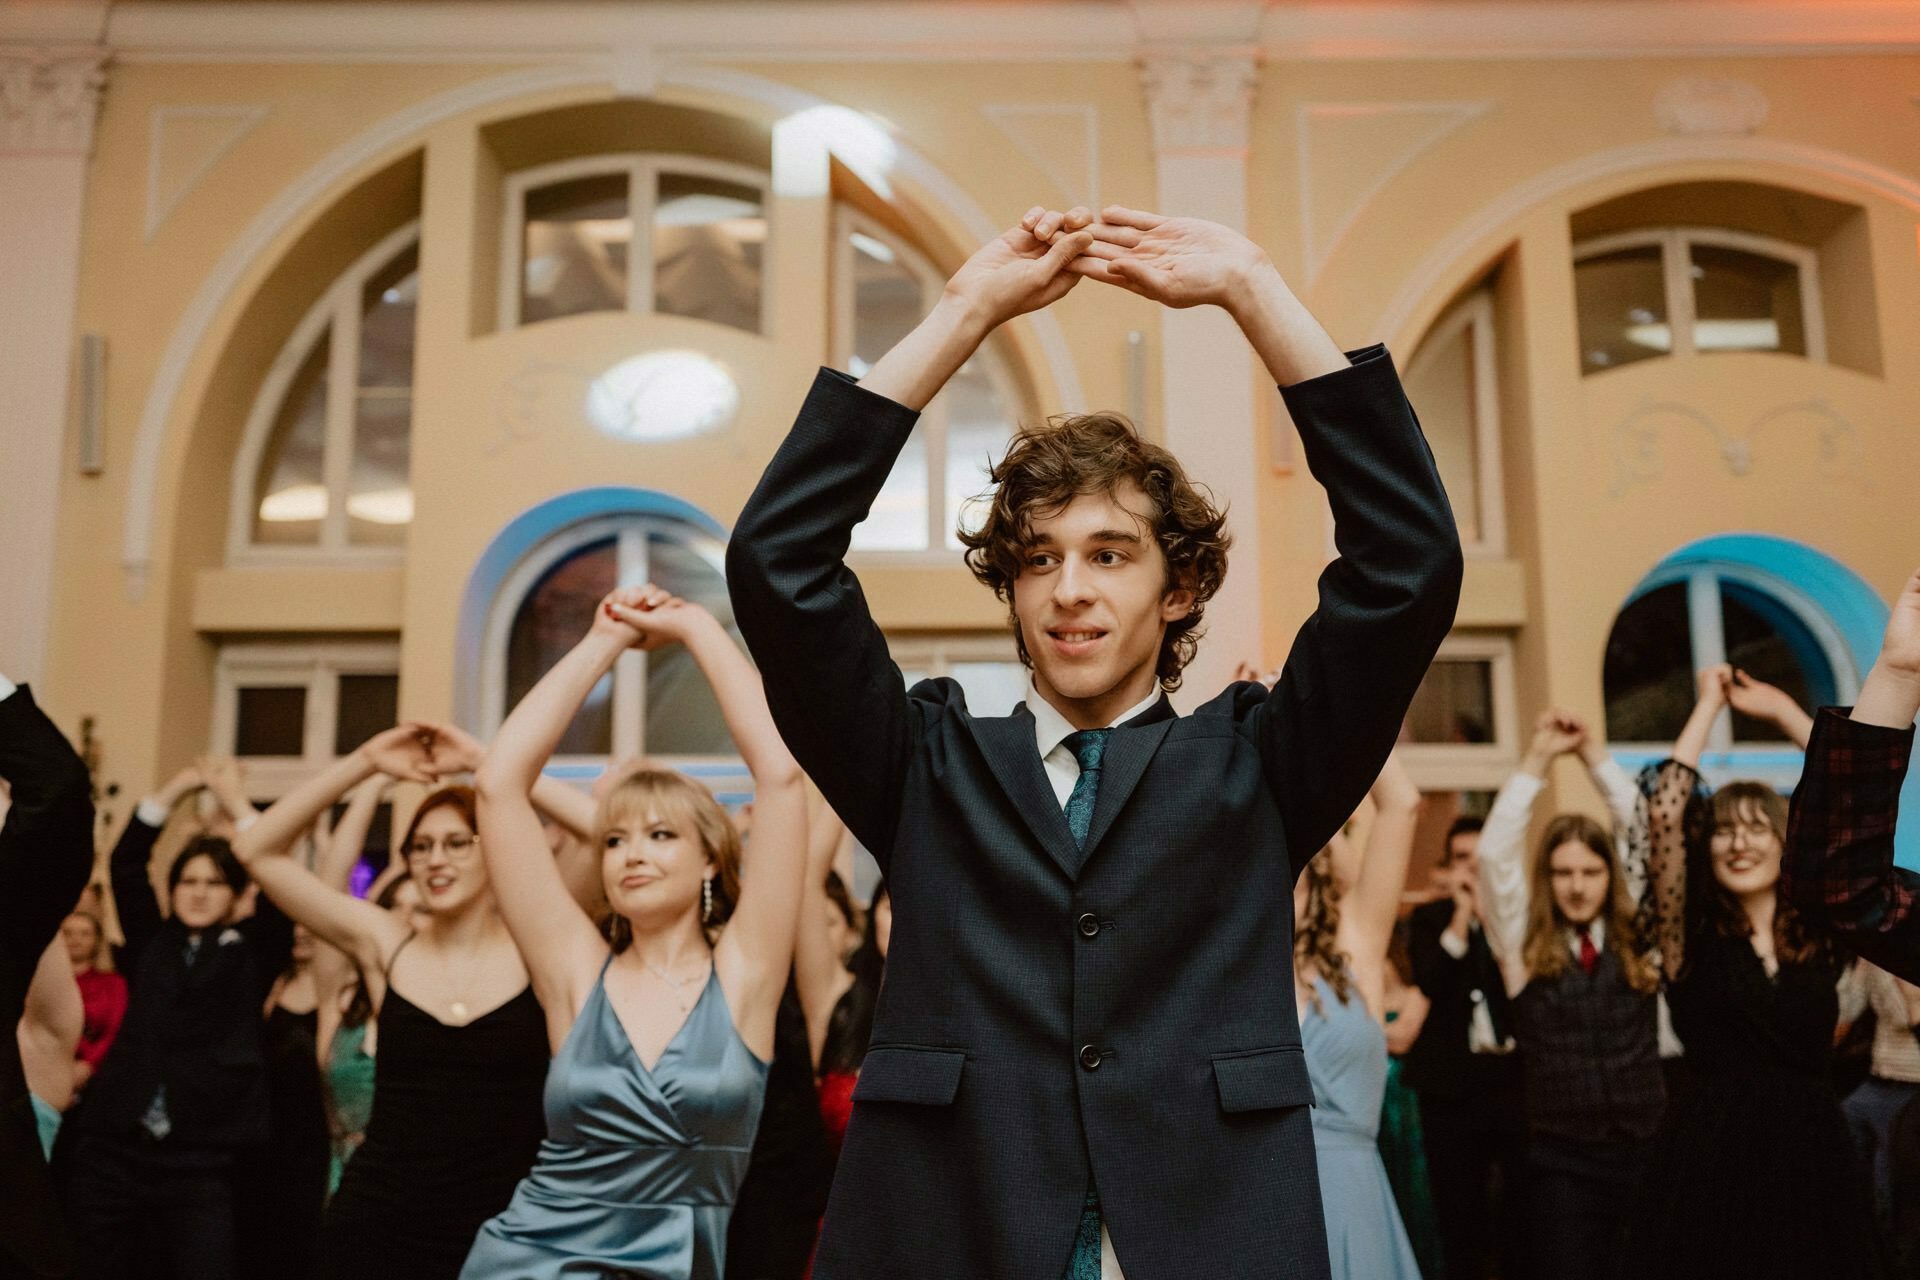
(463, 1045)
(1753, 1173)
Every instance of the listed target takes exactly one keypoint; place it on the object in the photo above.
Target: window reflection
(709, 237)
(575, 248)
(1622, 300)
(292, 480)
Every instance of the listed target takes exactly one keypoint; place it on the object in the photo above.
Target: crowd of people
(632, 1033)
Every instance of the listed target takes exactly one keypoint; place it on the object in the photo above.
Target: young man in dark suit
(1466, 1074)
(46, 853)
(1086, 1056)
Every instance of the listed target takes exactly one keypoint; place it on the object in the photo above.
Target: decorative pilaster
(49, 98)
(1200, 100)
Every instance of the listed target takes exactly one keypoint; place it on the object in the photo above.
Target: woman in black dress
(457, 1113)
(1753, 1173)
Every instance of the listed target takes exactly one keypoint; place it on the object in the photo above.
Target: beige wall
(1381, 188)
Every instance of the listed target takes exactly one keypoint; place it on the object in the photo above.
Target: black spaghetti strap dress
(456, 1123)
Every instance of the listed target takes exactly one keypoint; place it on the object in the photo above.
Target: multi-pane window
(665, 235)
(1461, 730)
(1689, 618)
(883, 289)
(1694, 291)
(658, 702)
(1453, 383)
(986, 667)
(286, 710)
(324, 463)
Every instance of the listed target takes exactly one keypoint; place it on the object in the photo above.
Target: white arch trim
(221, 284)
(1447, 265)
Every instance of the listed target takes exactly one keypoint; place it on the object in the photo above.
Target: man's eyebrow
(1114, 535)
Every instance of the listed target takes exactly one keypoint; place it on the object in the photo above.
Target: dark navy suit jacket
(1123, 1014)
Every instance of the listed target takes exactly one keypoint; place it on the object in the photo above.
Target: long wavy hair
(1316, 939)
(1719, 910)
(1545, 950)
(1046, 468)
(685, 805)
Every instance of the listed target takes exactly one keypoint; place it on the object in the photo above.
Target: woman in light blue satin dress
(663, 1027)
(1344, 909)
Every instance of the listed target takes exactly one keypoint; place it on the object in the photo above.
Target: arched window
(656, 703)
(650, 234)
(1698, 613)
(1453, 381)
(883, 289)
(1686, 291)
(323, 466)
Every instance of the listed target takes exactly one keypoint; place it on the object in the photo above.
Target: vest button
(1090, 1058)
(1089, 925)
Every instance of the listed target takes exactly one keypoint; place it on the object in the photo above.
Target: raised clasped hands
(1178, 262)
(646, 618)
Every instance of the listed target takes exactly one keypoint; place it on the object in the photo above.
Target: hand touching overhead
(1891, 695)
(1180, 262)
(404, 752)
(1017, 272)
(654, 616)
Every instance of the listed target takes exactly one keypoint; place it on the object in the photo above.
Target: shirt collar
(1596, 929)
(1050, 728)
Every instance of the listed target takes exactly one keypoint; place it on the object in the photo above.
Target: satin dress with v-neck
(639, 1172)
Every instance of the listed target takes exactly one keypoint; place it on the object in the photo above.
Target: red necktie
(1589, 954)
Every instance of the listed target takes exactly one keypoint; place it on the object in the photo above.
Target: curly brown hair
(1545, 949)
(1045, 468)
(1316, 941)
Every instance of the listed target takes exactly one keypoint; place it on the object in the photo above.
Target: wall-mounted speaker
(93, 404)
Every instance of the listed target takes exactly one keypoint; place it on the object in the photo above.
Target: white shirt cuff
(1453, 944)
(152, 812)
(6, 688)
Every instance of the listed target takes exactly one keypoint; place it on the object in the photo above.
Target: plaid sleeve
(1838, 868)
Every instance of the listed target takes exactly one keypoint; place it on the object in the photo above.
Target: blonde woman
(662, 1024)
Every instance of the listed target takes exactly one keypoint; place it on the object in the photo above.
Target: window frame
(1473, 766)
(643, 170)
(629, 532)
(315, 666)
(1778, 764)
(336, 313)
(933, 422)
(1476, 313)
(1676, 261)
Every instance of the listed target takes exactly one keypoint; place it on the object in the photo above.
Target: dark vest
(1592, 1054)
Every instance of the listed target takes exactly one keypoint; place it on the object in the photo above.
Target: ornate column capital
(49, 97)
(1200, 99)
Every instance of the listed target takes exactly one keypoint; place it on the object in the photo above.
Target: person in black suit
(46, 851)
(1467, 1075)
(1086, 1055)
(184, 1091)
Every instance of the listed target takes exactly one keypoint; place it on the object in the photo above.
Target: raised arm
(1504, 882)
(1373, 902)
(46, 837)
(819, 972)
(456, 751)
(1762, 701)
(562, 949)
(338, 853)
(361, 929)
(834, 692)
(1389, 599)
(1838, 868)
(1710, 699)
(1673, 798)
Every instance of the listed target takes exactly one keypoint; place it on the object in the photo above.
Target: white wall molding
(1200, 101)
(49, 98)
(300, 199)
(165, 193)
(1054, 30)
(1465, 249)
(1062, 140)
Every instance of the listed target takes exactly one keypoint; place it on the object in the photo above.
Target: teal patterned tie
(1088, 747)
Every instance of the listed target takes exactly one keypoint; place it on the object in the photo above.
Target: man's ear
(1176, 604)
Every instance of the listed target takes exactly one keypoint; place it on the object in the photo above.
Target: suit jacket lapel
(1008, 745)
(1129, 751)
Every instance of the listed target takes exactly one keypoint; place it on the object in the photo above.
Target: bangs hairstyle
(1074, 456)
(459, 799)
(1544, 951)
(1733, 804)
(686, 806)
(217, 851)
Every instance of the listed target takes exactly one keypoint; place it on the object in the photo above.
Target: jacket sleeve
(1838, 869)
(46, 845)
(836, 695)
(1436, 971)
(133, 896)
(1385, 603)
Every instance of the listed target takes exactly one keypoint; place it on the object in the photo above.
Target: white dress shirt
(6, 688)
(1050, 733)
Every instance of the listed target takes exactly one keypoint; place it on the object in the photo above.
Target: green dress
(349, 1094)
(1403, 1150)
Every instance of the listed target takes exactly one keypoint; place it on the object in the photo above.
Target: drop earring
(706, 900)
